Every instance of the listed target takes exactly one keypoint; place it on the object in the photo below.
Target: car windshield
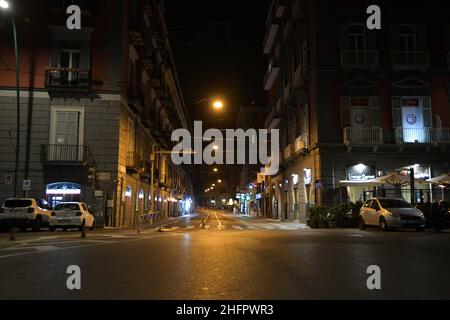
(394, 203)
(17, 203)
(67, 206)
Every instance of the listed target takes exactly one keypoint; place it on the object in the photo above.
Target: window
(17, 203)
(70, 59)
(375, 206)
(406, 35)
(356, 38)
(67, 206)
(367, 204)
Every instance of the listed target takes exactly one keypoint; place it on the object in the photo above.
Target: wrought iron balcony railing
(66, 154)
(411, 60)
(422, 135)
(58, 78)
(359, 59)
(361, 136)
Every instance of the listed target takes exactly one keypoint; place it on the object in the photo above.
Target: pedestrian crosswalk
(239, 227)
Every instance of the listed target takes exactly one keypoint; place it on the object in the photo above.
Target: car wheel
(36, 225)
(383, 225)
(93, 226)
(52, 229)
(361, 224)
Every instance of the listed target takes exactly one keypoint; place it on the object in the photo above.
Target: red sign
(359, 102)
(410, 102)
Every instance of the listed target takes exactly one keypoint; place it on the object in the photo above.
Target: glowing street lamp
(217, 104)
(219, 181)
(215, 169)
(4, 4)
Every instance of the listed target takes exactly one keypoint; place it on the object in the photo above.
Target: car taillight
(53, 214)
(30, 210)
(78, 213)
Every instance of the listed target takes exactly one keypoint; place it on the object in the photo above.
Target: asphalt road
(226, 257)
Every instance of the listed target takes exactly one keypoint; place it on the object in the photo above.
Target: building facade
(98, 106)
(353, 104)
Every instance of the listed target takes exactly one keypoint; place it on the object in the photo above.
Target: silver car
(390, 213)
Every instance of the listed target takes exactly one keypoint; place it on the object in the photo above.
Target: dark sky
(201, 47)
(198, 34)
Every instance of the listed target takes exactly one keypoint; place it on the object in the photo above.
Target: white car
(25, 213)
(71, 215)
(390, 213)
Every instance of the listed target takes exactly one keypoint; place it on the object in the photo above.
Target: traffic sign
(26, 185)
(8, 180)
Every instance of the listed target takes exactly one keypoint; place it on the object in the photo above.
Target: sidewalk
(155, 225)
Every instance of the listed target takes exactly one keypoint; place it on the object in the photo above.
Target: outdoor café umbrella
(396, 179)
(441, 180)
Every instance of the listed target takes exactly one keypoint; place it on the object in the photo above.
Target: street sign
(8, 180)
(26, 185)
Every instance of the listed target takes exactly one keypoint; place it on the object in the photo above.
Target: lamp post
(4, 5)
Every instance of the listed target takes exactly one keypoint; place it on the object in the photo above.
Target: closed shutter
(397, 112)
(427, 121)
(375, 112)
(345, 112)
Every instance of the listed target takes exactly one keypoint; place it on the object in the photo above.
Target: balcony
(411, 60)
(273, 120)
(136, 30)
(363, 136)
(351, 59)
(422, 135)
(288, 152)
(271, 75)
(67, 79)
(134, 162)
(301, 143)
(271, 36)
(66, 154)
(136, 100)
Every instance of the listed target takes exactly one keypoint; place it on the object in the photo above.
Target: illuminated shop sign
(360, 172)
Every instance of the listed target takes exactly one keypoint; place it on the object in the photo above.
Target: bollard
(83, 232)
(12, 234)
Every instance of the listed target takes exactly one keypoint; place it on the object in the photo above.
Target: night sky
(198, 34)
(199, 39)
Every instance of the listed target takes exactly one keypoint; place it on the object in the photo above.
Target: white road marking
(237, 227)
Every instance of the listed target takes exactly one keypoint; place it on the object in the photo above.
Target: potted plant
(313, 218)
(332, 217)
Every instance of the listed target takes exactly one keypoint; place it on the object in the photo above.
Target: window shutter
(345, 112)
(397, 112)
(375, 112)
(427, 121)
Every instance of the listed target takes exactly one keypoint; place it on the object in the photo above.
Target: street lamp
(218, 104)
(219, 181)
(4, 5)
(215, 169)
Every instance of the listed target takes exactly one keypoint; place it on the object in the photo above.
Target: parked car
(71, 215)
(390, 213)
(24, 213)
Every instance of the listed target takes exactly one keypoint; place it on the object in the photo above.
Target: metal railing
(65, 153)
(67, 78)
(359, 59)
(363, 135)
(422, 135)
(302, 142)
(411, 60)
